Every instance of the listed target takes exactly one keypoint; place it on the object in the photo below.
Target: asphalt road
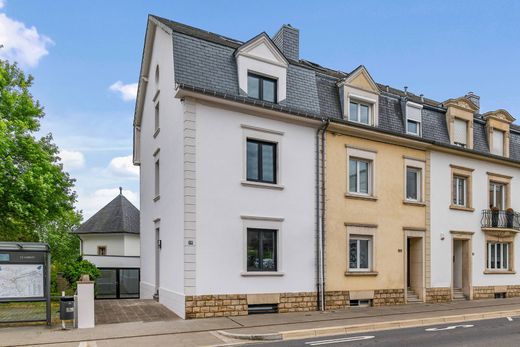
(500, 332)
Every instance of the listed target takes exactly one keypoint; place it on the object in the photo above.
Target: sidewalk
(289, 325)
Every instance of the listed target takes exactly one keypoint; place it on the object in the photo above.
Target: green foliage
(73, 271)
(36, 195)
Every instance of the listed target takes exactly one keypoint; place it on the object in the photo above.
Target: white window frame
(360, 103)
(369, 175)
(358, 238)
(503, 246)
(414, 119)
(355, 231)
(419, 173)
(267, 135)
(263, 222)
(421, 166)
(456, 192)
(364, 155)
(493, 186)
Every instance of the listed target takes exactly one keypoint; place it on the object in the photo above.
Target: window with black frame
(261, 161)
(261, 250)
(262, 88)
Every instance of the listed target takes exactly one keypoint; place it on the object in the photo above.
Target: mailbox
(66, 308)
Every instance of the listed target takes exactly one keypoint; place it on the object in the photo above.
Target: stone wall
(513, 291)
(385, 297)
(337, 300)
(483, 292)
(298, 302)
(434, 295)
(205, 306)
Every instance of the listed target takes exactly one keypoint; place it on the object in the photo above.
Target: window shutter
(498, 142)
(413, 113)
(460, 132)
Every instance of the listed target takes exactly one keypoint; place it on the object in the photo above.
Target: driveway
(131, 310)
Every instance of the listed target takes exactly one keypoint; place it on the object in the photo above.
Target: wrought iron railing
(500, 219)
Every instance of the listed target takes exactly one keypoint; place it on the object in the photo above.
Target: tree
(36, 195)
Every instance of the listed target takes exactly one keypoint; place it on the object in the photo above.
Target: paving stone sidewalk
(203, 329)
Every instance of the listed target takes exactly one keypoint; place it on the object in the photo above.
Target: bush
(73, 271)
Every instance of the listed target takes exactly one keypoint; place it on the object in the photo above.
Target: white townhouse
(474, 203)
(225, 135)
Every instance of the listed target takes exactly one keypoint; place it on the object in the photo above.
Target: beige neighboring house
(110, 240)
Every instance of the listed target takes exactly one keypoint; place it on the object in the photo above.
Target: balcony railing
(500, 219)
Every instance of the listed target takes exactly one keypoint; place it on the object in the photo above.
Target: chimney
(288, 41)
(473, 97)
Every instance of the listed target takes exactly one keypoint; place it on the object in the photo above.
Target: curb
(367, 327)
(253, 337)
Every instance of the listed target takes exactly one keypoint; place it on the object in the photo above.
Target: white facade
(122, 250)
(446, 221)
(205, 205)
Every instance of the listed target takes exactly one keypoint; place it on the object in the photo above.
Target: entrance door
(157, 262)
(462, 267)
(414, 265)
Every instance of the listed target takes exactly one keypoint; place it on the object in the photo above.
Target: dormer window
(261, 88)
(359, 112)
(498, 142)
(460, 132)
(413, 118)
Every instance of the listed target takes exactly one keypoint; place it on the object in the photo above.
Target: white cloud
(128, 92)
(93, 202)
(20, 43)
(123, 166)
(72, 159)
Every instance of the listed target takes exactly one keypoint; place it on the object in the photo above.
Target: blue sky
(77, 50)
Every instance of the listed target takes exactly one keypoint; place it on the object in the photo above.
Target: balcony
(500, 220)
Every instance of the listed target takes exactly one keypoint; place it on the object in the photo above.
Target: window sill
(261, 273)
(262, 185)
(156, 132)
(462, 208)
(156, 198)
(360, 197)
(361, 273)
(414, 203)
(499, 272)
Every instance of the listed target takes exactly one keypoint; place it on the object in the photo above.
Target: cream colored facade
(384, 216)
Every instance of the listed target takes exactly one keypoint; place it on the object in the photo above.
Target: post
(85, 306)
(48, 287)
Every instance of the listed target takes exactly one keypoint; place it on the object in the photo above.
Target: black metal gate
(118, 283)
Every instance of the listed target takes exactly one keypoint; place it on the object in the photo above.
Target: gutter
(320, 208)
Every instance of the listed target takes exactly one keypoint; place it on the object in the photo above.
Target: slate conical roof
(118, 216)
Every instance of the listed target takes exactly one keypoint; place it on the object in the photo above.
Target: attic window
(262, 88)
(461, 132)
(413, 119)
(498, 142)
(359, 112)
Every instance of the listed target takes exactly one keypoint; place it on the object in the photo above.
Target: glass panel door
(129, 283)
(106, 284)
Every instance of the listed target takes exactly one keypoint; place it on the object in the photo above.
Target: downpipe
(320, 208)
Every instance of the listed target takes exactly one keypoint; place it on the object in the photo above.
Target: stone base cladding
(205, 306)
(298, 302)
(386, 297)
(337, 300)
(434, 295)
(488, 292)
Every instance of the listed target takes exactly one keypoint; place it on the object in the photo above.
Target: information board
(22, 281)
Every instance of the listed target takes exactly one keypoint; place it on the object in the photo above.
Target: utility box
(67, 308)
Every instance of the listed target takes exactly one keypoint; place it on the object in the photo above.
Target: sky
(85, 57)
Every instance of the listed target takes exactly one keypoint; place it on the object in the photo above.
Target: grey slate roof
(118, 216)
(205, 62)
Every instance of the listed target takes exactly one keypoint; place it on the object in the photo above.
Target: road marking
(339, 340)
(88, 344)
(451, 327)
(509, 319)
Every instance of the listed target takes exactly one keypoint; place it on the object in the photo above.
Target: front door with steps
(414, 269)
(461, 269)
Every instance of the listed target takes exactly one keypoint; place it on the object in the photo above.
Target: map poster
(21, 281)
